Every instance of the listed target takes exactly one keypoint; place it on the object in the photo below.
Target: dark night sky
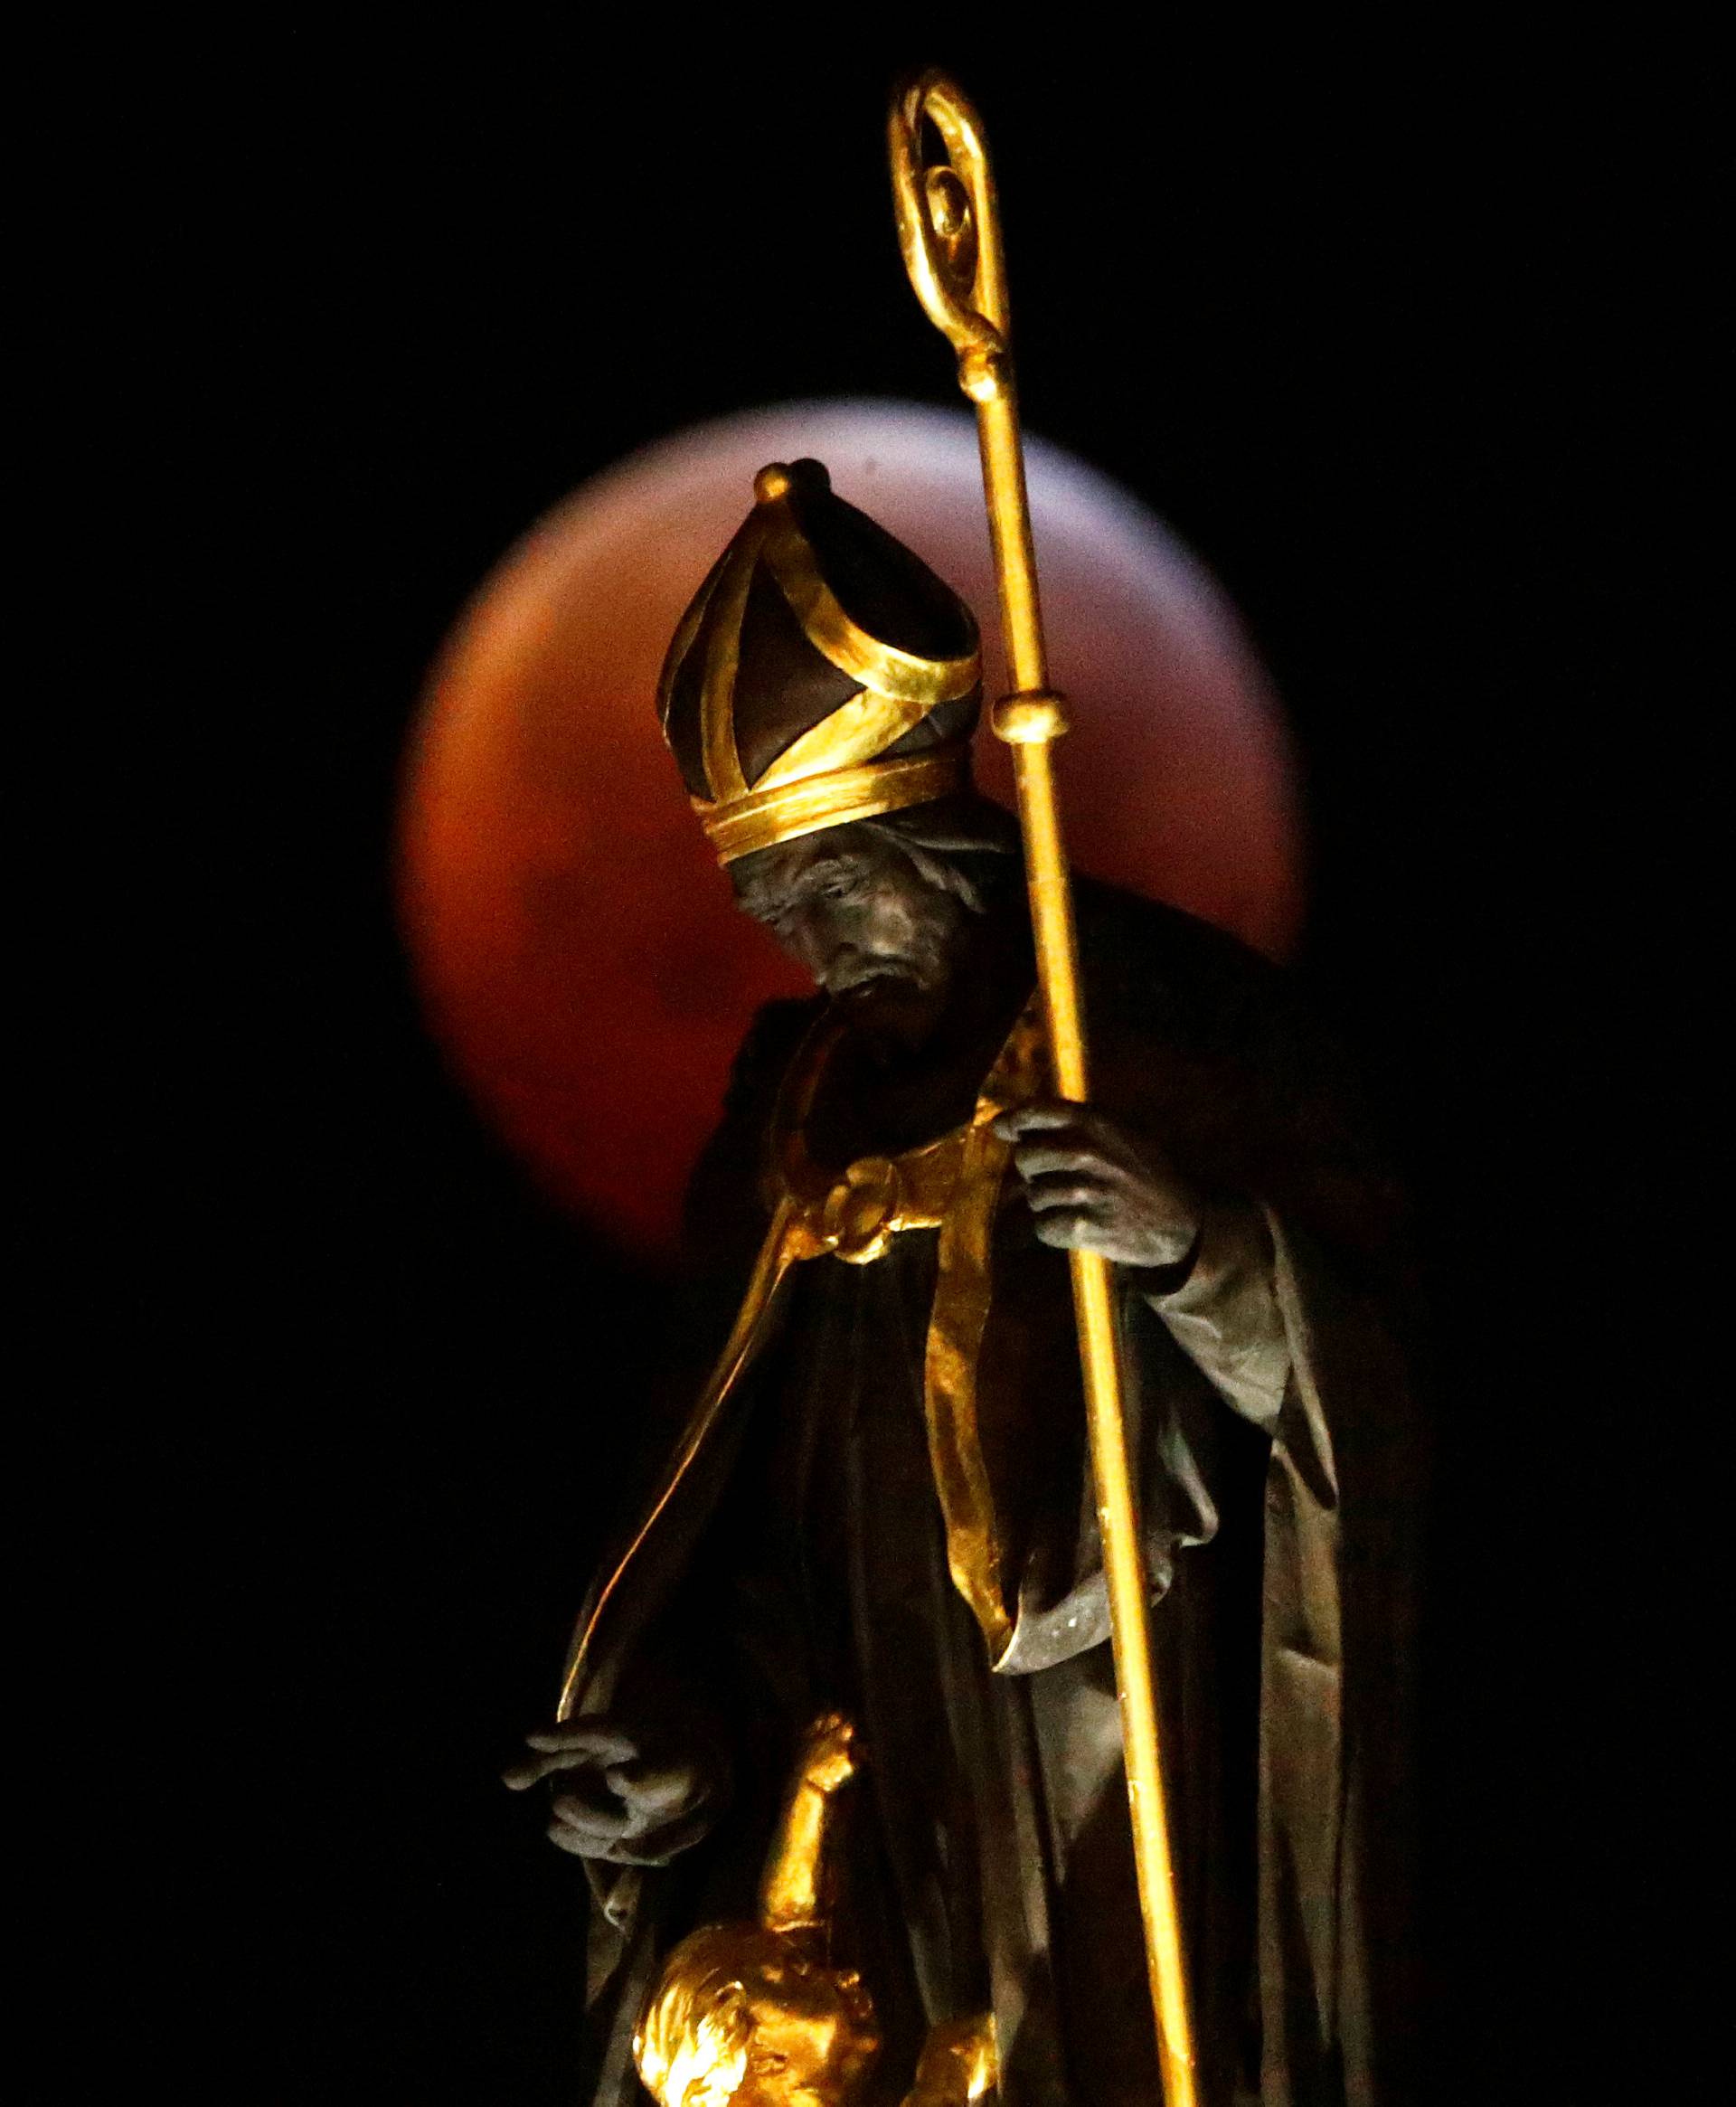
(1399, 339)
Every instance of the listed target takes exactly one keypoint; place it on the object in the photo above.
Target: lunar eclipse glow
(583, 963)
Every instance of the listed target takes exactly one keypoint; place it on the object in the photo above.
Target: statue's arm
(796, 1893)
(1205, 1264)
(1221, 1307)
(643, 1784)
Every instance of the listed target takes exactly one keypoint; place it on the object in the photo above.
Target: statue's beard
(897, 997)
(894, 1010)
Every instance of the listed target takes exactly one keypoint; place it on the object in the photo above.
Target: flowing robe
(802, 1562)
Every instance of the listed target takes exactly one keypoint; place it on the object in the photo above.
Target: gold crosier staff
(949, 228)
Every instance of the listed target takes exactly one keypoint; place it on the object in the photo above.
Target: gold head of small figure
(756, 2015)
(743, 2017)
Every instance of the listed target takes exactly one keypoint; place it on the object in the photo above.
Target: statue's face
(813, 2037)
(884, 941)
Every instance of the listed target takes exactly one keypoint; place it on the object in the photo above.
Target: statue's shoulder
(1223, 1053)
(1154, 968)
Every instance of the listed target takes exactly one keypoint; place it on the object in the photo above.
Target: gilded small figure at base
(756, 2015)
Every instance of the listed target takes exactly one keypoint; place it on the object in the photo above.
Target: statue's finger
(1045, 1116)
(657, 1789)
(583, 1801)
(1069, 1228)
(660, 1846)
(1061, 1151)
(533, 1770)
(586, 1737)
(584, 1839)
(1034, 1118)
(1071, 1189)
(582, 1844)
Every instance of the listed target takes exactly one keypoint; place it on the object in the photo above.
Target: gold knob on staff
(949, 229)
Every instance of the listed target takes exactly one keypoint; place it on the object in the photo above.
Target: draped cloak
(799, 1559)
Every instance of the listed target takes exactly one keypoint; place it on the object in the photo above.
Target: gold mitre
(822, 674)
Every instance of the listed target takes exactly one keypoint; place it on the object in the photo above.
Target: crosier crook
(948, 227)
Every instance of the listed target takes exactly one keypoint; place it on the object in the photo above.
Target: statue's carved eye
(771, 2059)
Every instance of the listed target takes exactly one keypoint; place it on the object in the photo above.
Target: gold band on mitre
(764, 818)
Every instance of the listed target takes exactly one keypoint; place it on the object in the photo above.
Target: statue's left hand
(1094, 1186)
(625, 1793)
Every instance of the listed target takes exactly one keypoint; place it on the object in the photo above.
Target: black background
(1399, 337)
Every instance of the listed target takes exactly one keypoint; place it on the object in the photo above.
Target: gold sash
(952, 1184)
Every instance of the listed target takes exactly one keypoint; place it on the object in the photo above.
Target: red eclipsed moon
(581, 958)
